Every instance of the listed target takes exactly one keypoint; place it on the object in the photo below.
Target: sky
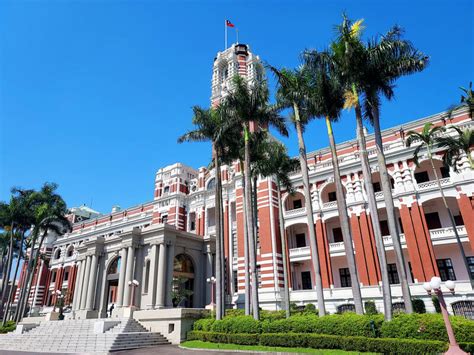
(93, 94)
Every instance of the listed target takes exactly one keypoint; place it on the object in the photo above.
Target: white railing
(336, 247)
(296, 212)
(300, 252)
(387, 239)
(442, 233)
(329, 205)
(433, 184)
(379, 195)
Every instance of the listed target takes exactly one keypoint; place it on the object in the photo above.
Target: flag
(229, 24)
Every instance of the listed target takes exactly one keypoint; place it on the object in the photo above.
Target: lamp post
(133, 284)
(212, 281)
(435, 285)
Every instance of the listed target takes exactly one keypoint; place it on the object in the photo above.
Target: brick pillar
(323, 251)
(418, 240)
(465, 204)
(46, 288)
(365, 249)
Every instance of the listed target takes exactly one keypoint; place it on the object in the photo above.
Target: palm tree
(353, 63)
(292, 93)
(49, 216)
(458, 147)
(212, 125)
(276, 162)
(327, 101)
(467, 99)
(429, 139)
(249, 102)
(390, 58)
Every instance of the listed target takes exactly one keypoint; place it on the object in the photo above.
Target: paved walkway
(162, 349)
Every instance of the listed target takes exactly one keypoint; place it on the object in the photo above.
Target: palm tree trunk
(250, 224)
(309, 214)
(286, 292)
(255, 209)
(217, 211)
(392, 227)
(12, 294)
(246, 247)
(6, 275)
(369, 188)
(345, 226)
(451, 217)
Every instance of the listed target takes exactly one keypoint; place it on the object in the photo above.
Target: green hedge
(321, 341)
(9, 327)
(238, 324)
(348, 324)
(204, 324)
(427, 326)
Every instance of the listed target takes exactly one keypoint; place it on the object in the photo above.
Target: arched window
(70, 251)
(147, 276)
(211, 185)
(114, 268)
(57, 253)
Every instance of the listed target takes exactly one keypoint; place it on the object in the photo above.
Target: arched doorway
(183, 281)
(113, 272)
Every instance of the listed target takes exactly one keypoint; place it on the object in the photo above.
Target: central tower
(235, 60)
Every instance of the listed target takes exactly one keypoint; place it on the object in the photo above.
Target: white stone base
(84, 314)
(173, 323)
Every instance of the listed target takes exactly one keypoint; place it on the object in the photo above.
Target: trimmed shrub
(310, 309)
(370, 308)
(271, 315)
(418, 305)
(204, 324)
(237, 324)
(348, 324)
(234, 312)
(467, 347)
(427, 326)
(9, 327)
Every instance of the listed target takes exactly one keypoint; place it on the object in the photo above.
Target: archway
(112, 279)
(183, 281)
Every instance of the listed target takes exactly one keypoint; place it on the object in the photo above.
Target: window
(166, 189)
(332, 196)
(384, 228)
(57, 254)
(300, 240)
(306, 280)
(377, 186)
(444, 172)
(401, 225)
(337, 235)
(345, 276)
(70, 251)
(446, 270)
(297, 204)
(66, 275)
(236, 281)
(211, 185)
(193, 226)
(392, 274)
(458, 220)
(164, 219)
(147, 276)
(470, 263)
(422, 177)
(53, 276)
(432, 220)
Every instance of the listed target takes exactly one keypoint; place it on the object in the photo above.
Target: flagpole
(225, 30)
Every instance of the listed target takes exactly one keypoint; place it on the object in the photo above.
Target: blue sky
(93, 94)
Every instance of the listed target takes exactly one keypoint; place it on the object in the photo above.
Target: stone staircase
(79, 336)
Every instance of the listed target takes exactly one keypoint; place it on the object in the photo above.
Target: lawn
(197, 344)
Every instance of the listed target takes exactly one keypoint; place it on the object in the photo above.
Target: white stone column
(161, 281)
(121, 283)
(128, 275)
(169, 275)
(208, 275)
(152, 276)
(85, 282)
(78, 286)
(92, 284)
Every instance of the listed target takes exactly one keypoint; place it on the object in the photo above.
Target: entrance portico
(160, 257)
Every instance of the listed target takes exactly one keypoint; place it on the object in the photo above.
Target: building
(167, 244)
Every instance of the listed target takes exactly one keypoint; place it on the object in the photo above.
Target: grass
(198, 344)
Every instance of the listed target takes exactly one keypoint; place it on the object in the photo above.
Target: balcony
(447, 233)
(433, 184)
(299, 254)
(329, 205)
(297, 212)
(336, 247)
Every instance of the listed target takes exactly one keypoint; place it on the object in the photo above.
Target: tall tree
(326, 102)
(249, 102)
(458, 147)
(213, 125)
(353, 62)
(276, 162)
(49, 217)
(429, 140)
(390, 57)
(292, 93)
